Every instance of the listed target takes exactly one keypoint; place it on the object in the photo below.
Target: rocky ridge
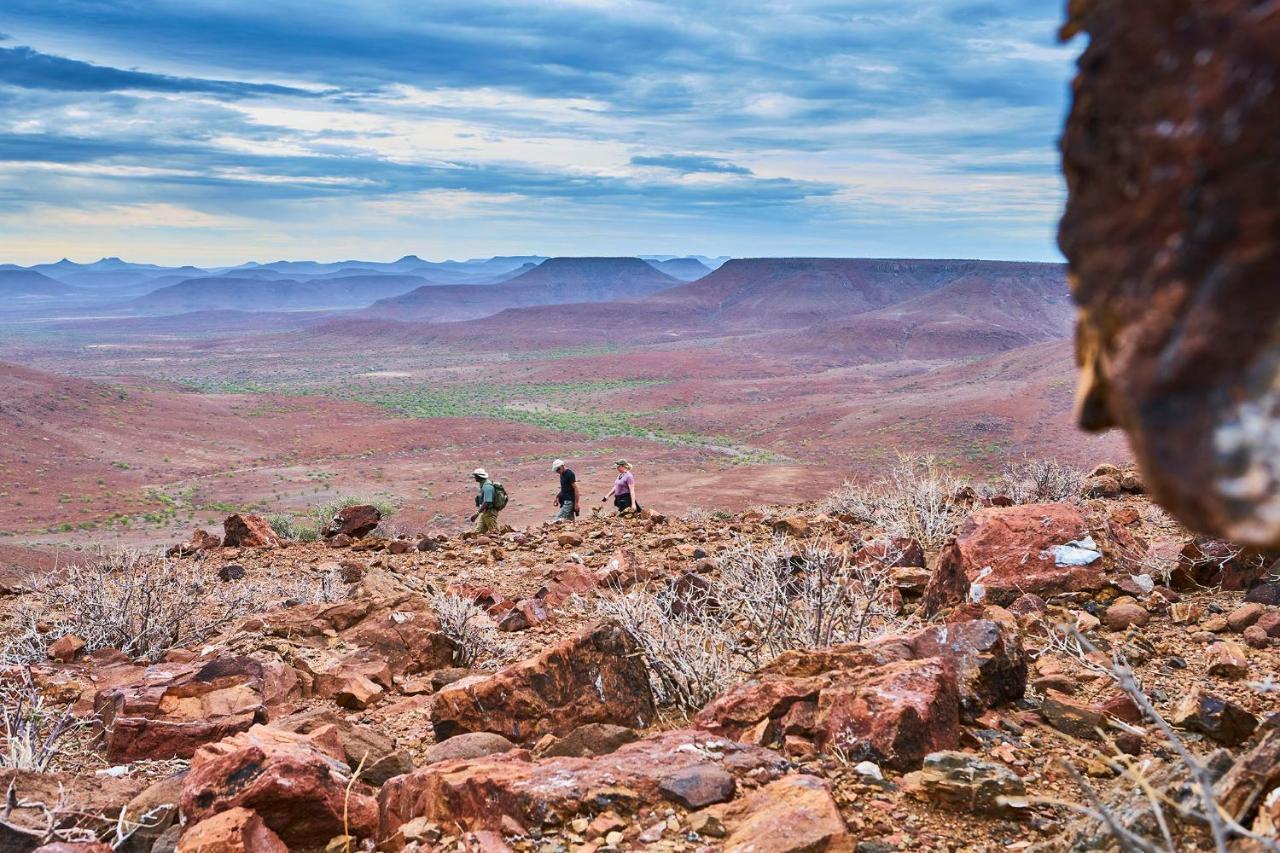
(375, 720)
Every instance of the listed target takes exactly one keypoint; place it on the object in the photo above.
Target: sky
(222, 131)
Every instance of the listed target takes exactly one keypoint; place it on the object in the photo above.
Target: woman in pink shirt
(624, 489)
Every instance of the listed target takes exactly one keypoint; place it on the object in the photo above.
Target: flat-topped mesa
(1172, 230)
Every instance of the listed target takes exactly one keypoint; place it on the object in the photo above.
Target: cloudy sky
(219, 131)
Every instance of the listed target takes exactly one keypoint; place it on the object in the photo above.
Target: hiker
(490, 500)
(623, 492)
(567, 497)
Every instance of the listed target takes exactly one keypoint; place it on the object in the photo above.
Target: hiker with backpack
(490, 500)
(623, 492)
(567, 497)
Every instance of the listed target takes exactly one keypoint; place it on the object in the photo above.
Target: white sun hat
(480, 472)
(557, 465)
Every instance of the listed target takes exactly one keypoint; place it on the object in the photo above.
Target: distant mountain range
(553, 282)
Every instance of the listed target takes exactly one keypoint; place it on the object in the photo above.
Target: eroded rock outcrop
(1171, 153)
(596, 676)
(892, 702)
(480, 793)
(172, 709)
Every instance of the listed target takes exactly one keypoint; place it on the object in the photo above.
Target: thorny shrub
(1152, 804)
(700, 638)
(462, 621)
(30, 728)
(1039, 481)
(916, 498)
(143, 604)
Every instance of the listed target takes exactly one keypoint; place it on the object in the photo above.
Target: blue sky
(219, 131)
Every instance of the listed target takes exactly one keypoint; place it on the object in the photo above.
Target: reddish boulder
(174, 708)
(371, 636)
(987, 657)
(66, 648)
(597, 676)
(899, 552)
(236, 830)
(895, 715)
(299, 784)
(1215, 562)
(249, 531)
(483, 793)
(353, 521)
(892, 699)
(200, 541)
(523, 615)
(1044, 549)
(1170, 233)
(795, 814)
(623, 571)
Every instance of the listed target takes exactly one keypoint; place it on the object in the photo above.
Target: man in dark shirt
(567, 497)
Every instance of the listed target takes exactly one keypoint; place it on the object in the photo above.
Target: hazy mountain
(555, 281)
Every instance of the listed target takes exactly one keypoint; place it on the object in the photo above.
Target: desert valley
(142, 400)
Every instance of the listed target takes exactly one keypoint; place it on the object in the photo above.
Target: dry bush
(700, 639)
(1152, 805)
(143, 604)
(915, 498)
(1039, 481)
(30, 729)
(462, 621)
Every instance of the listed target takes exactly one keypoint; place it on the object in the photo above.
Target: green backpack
(499, 496)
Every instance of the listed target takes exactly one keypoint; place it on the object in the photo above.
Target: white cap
(557, 465)
(480, 472)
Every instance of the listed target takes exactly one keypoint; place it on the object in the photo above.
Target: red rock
(340, 540)
(298, 784)
(895, 716)
(1013, 549)
(792, 525)
(986, 656)
(1220, 719)
(365, 747)
(248, 531)
(480, 793)
(236, 830)
(471, 745)
(66, 648)
(568, 540)
(1205, 561)
(174, 708)
(892, 691)
(1251, 778)
(596, 676)
(795, 814)
(1169, 229)
(523, 616)
(388, 636)
(1244, 616)
(1227, 659)
(588, 740)
(1125, 614)
(1269, 622)
(567, 581)
(1255, 637)
(356, 522)
(623, 571)
(698, 786)
(1071, 717)
(200, 541)
(899, 552)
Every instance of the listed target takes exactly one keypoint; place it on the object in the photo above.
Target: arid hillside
(921, 662)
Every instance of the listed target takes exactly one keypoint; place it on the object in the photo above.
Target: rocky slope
(613, 683)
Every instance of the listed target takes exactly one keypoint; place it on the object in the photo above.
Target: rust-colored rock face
(1172, 230)
(594, 677)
